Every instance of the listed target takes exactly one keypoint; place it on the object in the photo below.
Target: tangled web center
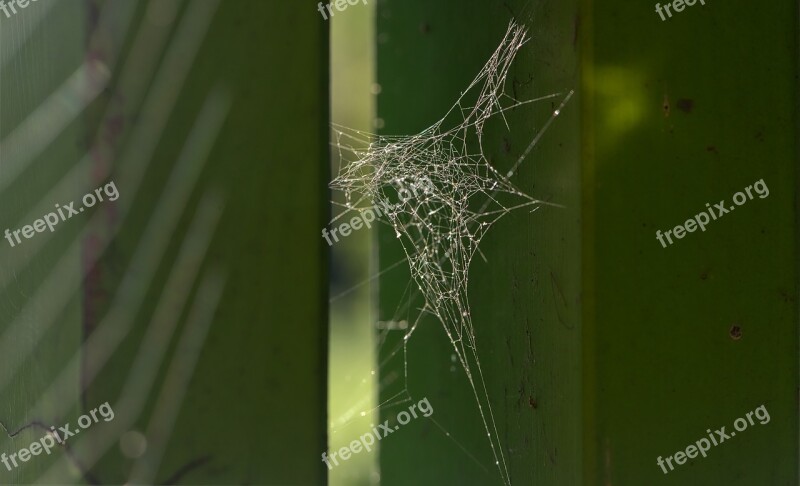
(440, 194)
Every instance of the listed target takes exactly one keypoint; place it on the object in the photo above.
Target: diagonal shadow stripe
(144, 137)
(180, 372)
(96, 442)
(155, 240)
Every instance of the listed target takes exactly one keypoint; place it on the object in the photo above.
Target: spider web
(440, 228)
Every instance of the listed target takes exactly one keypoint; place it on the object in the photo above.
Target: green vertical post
(29, 73)
(525, 297)
(251, 408)
(255, 409)
(680, 339)
(602, 350)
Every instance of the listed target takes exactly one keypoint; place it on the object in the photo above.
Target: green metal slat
(680, 113)
(525, 298)
(254, 409)
(259, 389)
(624, 347)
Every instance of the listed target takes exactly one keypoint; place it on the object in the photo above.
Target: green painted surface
(23, 312)
(524, 299)
(661, 366)
(255, 404)
(624, 346)
(255, 410)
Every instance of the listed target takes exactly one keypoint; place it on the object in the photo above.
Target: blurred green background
(353, 372)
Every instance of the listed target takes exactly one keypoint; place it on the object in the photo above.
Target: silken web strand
(441, 226)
